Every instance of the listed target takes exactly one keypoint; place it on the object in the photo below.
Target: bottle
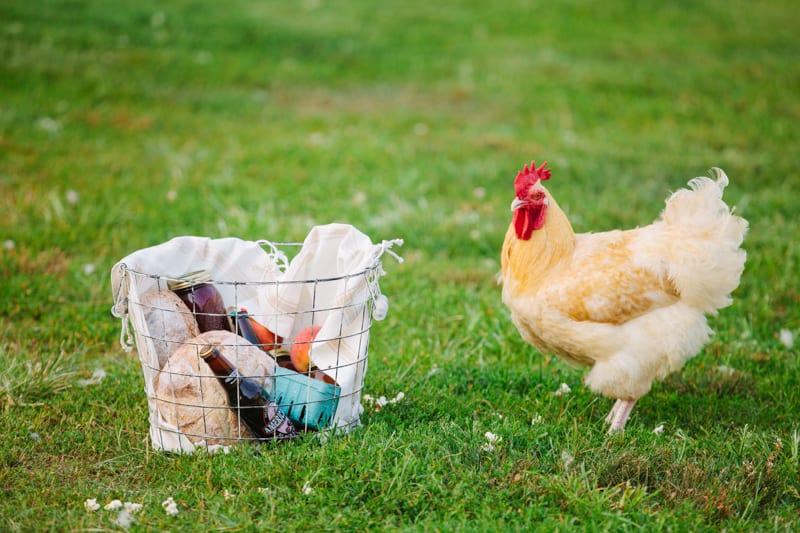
(244, 325)
(202, 299)
(248, 399)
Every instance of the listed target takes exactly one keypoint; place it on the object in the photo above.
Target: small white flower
(787, 338)
(420, 129)
(132, 508)
(479, 192)
(567, 459)
(359, 198)
(316, 138)
(158, 19)
(113, 505)
(228, 495)
(400, 395)
(172, 195)
(124, 519)
(307, 489)
(97, 377)
(491, 437)
(563, 389)
(50, 125)
(722, 369)
(170, 506)
(72, 197)
(34, 436)
(9, 244)
(475, 234)
(659, 429)
(537, 420)
(381, 401)
(91, 505)
(88, 269)
(434, 370)
(488, 447)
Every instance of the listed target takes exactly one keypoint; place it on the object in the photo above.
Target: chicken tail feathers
(707, 259)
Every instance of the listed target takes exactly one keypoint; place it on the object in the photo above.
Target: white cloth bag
(330, 282)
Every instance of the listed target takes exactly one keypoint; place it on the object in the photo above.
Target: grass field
(123, 124)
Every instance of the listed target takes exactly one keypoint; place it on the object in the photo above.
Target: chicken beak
(517, 203)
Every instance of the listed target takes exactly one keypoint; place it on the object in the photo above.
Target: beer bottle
(248, 399)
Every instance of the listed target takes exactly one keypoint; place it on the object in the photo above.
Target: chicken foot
(619, 414)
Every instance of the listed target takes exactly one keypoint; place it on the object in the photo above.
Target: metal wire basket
(188, 406)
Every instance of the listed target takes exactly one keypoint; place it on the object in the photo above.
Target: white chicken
(631, 305)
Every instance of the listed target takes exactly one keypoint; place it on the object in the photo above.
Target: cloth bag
(332, 283)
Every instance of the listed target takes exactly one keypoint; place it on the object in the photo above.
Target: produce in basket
(169, 322)
(190, 397)
(300, 352)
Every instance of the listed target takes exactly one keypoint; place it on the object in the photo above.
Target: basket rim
(372, 268)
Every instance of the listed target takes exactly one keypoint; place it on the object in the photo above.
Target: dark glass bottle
(202, 299)
(248, 399)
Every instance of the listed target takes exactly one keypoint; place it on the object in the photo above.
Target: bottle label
(233, 377)
(278, 418)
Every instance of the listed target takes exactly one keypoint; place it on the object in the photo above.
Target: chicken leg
(619, 414)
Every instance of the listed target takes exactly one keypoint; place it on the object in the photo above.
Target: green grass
(406, 119)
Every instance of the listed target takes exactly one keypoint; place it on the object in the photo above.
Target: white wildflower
(132, 508)
(113, 505)
(88, 269)
(316, 138)
(659, 429)
(475, 234)
(787, 338)
(381, 402)
(97, 377)
(91, 505)
(563, 389)
(50, 125)
(202, 57)
(434, 370)
(479, 192)
(172, 195)
(9, 244)
(722, 369)
(400, 395)
(359, 198)
(420, 129)
(72, 197)
(307, 489)
(491, 440)
(537, 420)
(228, 495)
(567, 459)
(170, 506)
(124, 519)
(158, 19)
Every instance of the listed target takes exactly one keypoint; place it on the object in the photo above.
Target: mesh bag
(330, 287)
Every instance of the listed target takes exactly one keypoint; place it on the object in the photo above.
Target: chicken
(630, 305)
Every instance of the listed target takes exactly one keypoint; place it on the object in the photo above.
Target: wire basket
(326, 318)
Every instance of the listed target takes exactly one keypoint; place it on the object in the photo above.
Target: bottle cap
(207, 350)
(188, 280)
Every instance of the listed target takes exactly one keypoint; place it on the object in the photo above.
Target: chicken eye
(538, 195)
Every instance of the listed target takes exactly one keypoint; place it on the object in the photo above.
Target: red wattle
(527, 219)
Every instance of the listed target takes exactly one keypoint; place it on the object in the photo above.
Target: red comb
(528, 176)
